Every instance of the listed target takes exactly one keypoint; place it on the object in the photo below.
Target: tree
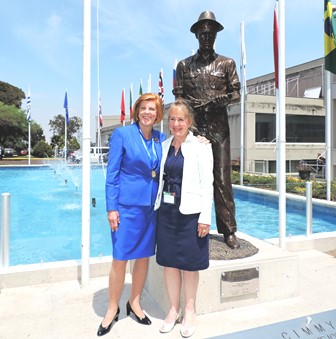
(13, 125)
(36, 133)
(11, 95)
(42, 150)
(14, 128)
(57, 126)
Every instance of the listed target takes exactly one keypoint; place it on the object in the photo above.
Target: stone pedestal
(271, 274)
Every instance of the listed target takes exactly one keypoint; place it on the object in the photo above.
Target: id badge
(169, 198)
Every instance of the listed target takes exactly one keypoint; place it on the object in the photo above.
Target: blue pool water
(45, 214)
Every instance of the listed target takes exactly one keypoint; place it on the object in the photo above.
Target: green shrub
(42, 150)
(294, 185)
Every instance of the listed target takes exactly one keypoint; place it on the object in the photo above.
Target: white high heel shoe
(187, 332)
(168, 327)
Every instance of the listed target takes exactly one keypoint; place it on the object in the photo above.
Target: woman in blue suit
(131, 188)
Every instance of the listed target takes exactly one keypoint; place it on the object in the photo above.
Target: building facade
(305, 122)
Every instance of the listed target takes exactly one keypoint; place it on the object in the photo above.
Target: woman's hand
(113, 219)
(203, 140)
(203, 230)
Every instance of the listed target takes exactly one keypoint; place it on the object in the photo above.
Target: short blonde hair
(183, 105)
(148, 97)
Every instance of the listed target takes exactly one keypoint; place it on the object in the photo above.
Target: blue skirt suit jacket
(131, 190)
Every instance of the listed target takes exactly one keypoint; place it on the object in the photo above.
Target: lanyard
(152, 155)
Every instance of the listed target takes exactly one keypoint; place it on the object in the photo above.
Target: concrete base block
(271, 274)
(25, 275)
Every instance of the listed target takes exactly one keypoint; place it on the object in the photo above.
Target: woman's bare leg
(116, 285)
(173, 280)
(139, 276)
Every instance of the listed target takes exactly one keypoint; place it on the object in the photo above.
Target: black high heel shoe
(143, 321)
(104, 330)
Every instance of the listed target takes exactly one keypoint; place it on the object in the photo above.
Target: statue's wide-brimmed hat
(206, 16)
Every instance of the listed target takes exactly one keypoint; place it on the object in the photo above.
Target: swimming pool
(45, 214)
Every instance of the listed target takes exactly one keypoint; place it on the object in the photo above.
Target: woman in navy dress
(184, 215)
(131, 188)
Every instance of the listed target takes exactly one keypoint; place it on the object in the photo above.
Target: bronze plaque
(240, 284)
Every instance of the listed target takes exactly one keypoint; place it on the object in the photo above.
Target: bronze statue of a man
(210, 82)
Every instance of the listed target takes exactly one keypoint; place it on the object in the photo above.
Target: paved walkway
(68, 310)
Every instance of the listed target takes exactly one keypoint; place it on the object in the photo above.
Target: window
(265, 127)
(304, 129)
(308, 129)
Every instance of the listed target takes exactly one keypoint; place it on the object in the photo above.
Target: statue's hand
(218, 101)
(222, 100)
(178, 91)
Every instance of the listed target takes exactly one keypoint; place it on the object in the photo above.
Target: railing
(316, 167)
(6, 224)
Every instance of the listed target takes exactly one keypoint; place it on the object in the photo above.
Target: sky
(132, 40)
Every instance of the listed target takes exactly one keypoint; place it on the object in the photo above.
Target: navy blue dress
(178, 244)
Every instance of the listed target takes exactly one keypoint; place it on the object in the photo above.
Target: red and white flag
(122, 108)
(161, 89)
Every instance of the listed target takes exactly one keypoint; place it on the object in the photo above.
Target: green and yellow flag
(140, 89)
(329, 37)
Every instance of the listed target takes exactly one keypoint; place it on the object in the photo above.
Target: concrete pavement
(68, 310)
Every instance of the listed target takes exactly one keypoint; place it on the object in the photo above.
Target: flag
(174, 74)
(66, 108)
(161, 89)
(100, 113)
(122, 107)
(329, 37)
(276, 45)
(140, 89)
(131, 103)
(28, 107)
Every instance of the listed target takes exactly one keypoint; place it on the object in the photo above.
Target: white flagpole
(282, 127)
(242, 100)
(86, 166)
(29, 142)
(328, 127)
(277, 127)
(65, 129)
(98, 85)
(98, 124)
(29, 131)
(162, 95)
(277, 103)
(65, 140)
(131, 98)
(149, 87)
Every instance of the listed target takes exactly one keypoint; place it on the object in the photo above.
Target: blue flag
(66, 109)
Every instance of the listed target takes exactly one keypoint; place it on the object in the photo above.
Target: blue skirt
(135, 237)
(178, 243)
